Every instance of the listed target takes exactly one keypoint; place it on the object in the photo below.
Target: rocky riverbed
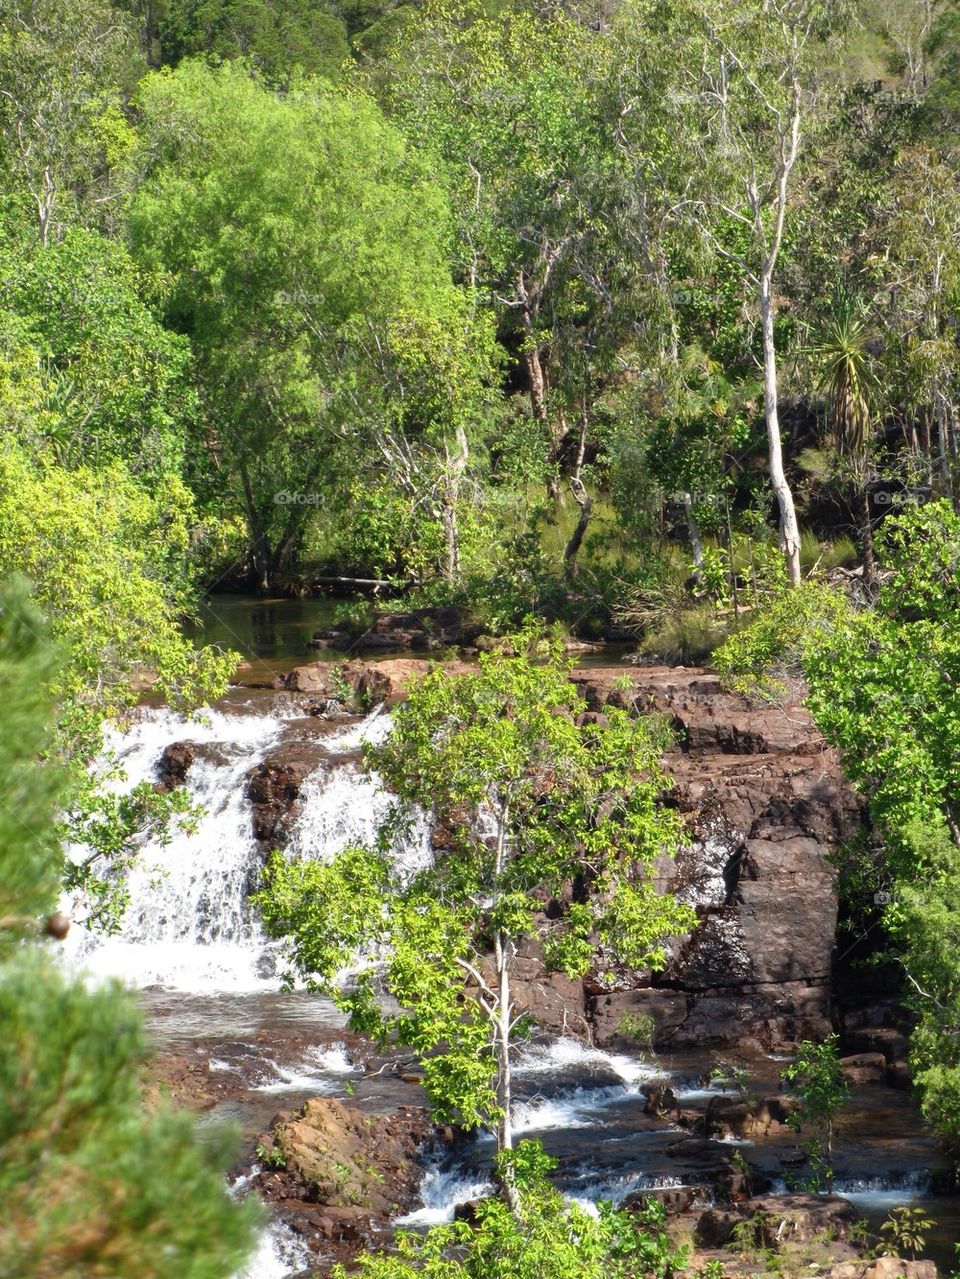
(618, 1084)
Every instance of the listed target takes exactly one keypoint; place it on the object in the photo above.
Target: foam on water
(374, 730)
(570, 1054)
(614, 1187)
(347, 806)
(279, 1253)
(874, 1194)
(576, 1109)
(442, 1191)
(189, 925)
(313, 1073)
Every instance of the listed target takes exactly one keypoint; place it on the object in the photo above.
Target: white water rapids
(190, 930)
(189, 926)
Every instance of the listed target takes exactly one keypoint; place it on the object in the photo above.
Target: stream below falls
(209, 981)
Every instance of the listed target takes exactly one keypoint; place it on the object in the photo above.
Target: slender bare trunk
(693, 532)
(789, 530)
(866, 537)
(456, 465)
(943, 446)
(582, 499)
(502, 1022)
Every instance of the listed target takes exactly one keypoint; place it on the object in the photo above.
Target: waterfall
(189, 925)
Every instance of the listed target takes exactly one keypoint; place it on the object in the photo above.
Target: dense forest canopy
(406, 292)
(641, 318)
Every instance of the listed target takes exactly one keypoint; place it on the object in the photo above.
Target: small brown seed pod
(58, 925)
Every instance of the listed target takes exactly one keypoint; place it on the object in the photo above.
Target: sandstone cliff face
(765, 804)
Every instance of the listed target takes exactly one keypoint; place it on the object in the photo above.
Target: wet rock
(892, 1044)
(674, 1199)
(362, 685)
(865, 1068)
(715, 1227)
(555, 1002)
(420, 628)
(748, 1118)
(884, 1268)
(899, 1075)
(660, 1101)
(174, 764)
(800, 1218)
(778, 1220)
(359, 1167)
(273, 788)
(330, 639)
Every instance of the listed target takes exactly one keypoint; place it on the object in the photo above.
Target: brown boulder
(865, 1068)
(174, 765)
(884, 1268)
(742, 1117)
(346, 1160)
(273, 788)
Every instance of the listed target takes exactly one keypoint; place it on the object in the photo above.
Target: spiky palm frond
(840, 353)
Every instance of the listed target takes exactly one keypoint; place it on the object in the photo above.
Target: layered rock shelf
(765, 804)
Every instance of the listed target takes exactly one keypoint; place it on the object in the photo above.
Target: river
(209, 979)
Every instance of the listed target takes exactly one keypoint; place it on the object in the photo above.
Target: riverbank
(624, 1114)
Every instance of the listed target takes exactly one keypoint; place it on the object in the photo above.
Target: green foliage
(530, 803)
(761, 659)
(551, 1238)
(89, 1182)
(922, 548)
(28, 884)
(278, 38)
(640, 1029)
(906, 1230)
(327, 329)
(111, 565)
(816, 1076)
(113, 383)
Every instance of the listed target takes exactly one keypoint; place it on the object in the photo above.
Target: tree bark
(866, 538)
(456, 466)
(582, 499)
(696, 546)
(259, 545)
(789, 530)
(502, 1022)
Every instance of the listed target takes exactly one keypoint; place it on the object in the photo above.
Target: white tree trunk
(502, 1022)
(789, 530)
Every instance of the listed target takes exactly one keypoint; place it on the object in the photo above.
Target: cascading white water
(189, 925)
(190, 928)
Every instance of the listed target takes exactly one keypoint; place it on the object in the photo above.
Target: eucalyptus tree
(307, 259)
(714, 98)
(509, 109)
(532, 805)
(65, 71)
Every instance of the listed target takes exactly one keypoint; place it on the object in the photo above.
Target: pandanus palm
(841, 356)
